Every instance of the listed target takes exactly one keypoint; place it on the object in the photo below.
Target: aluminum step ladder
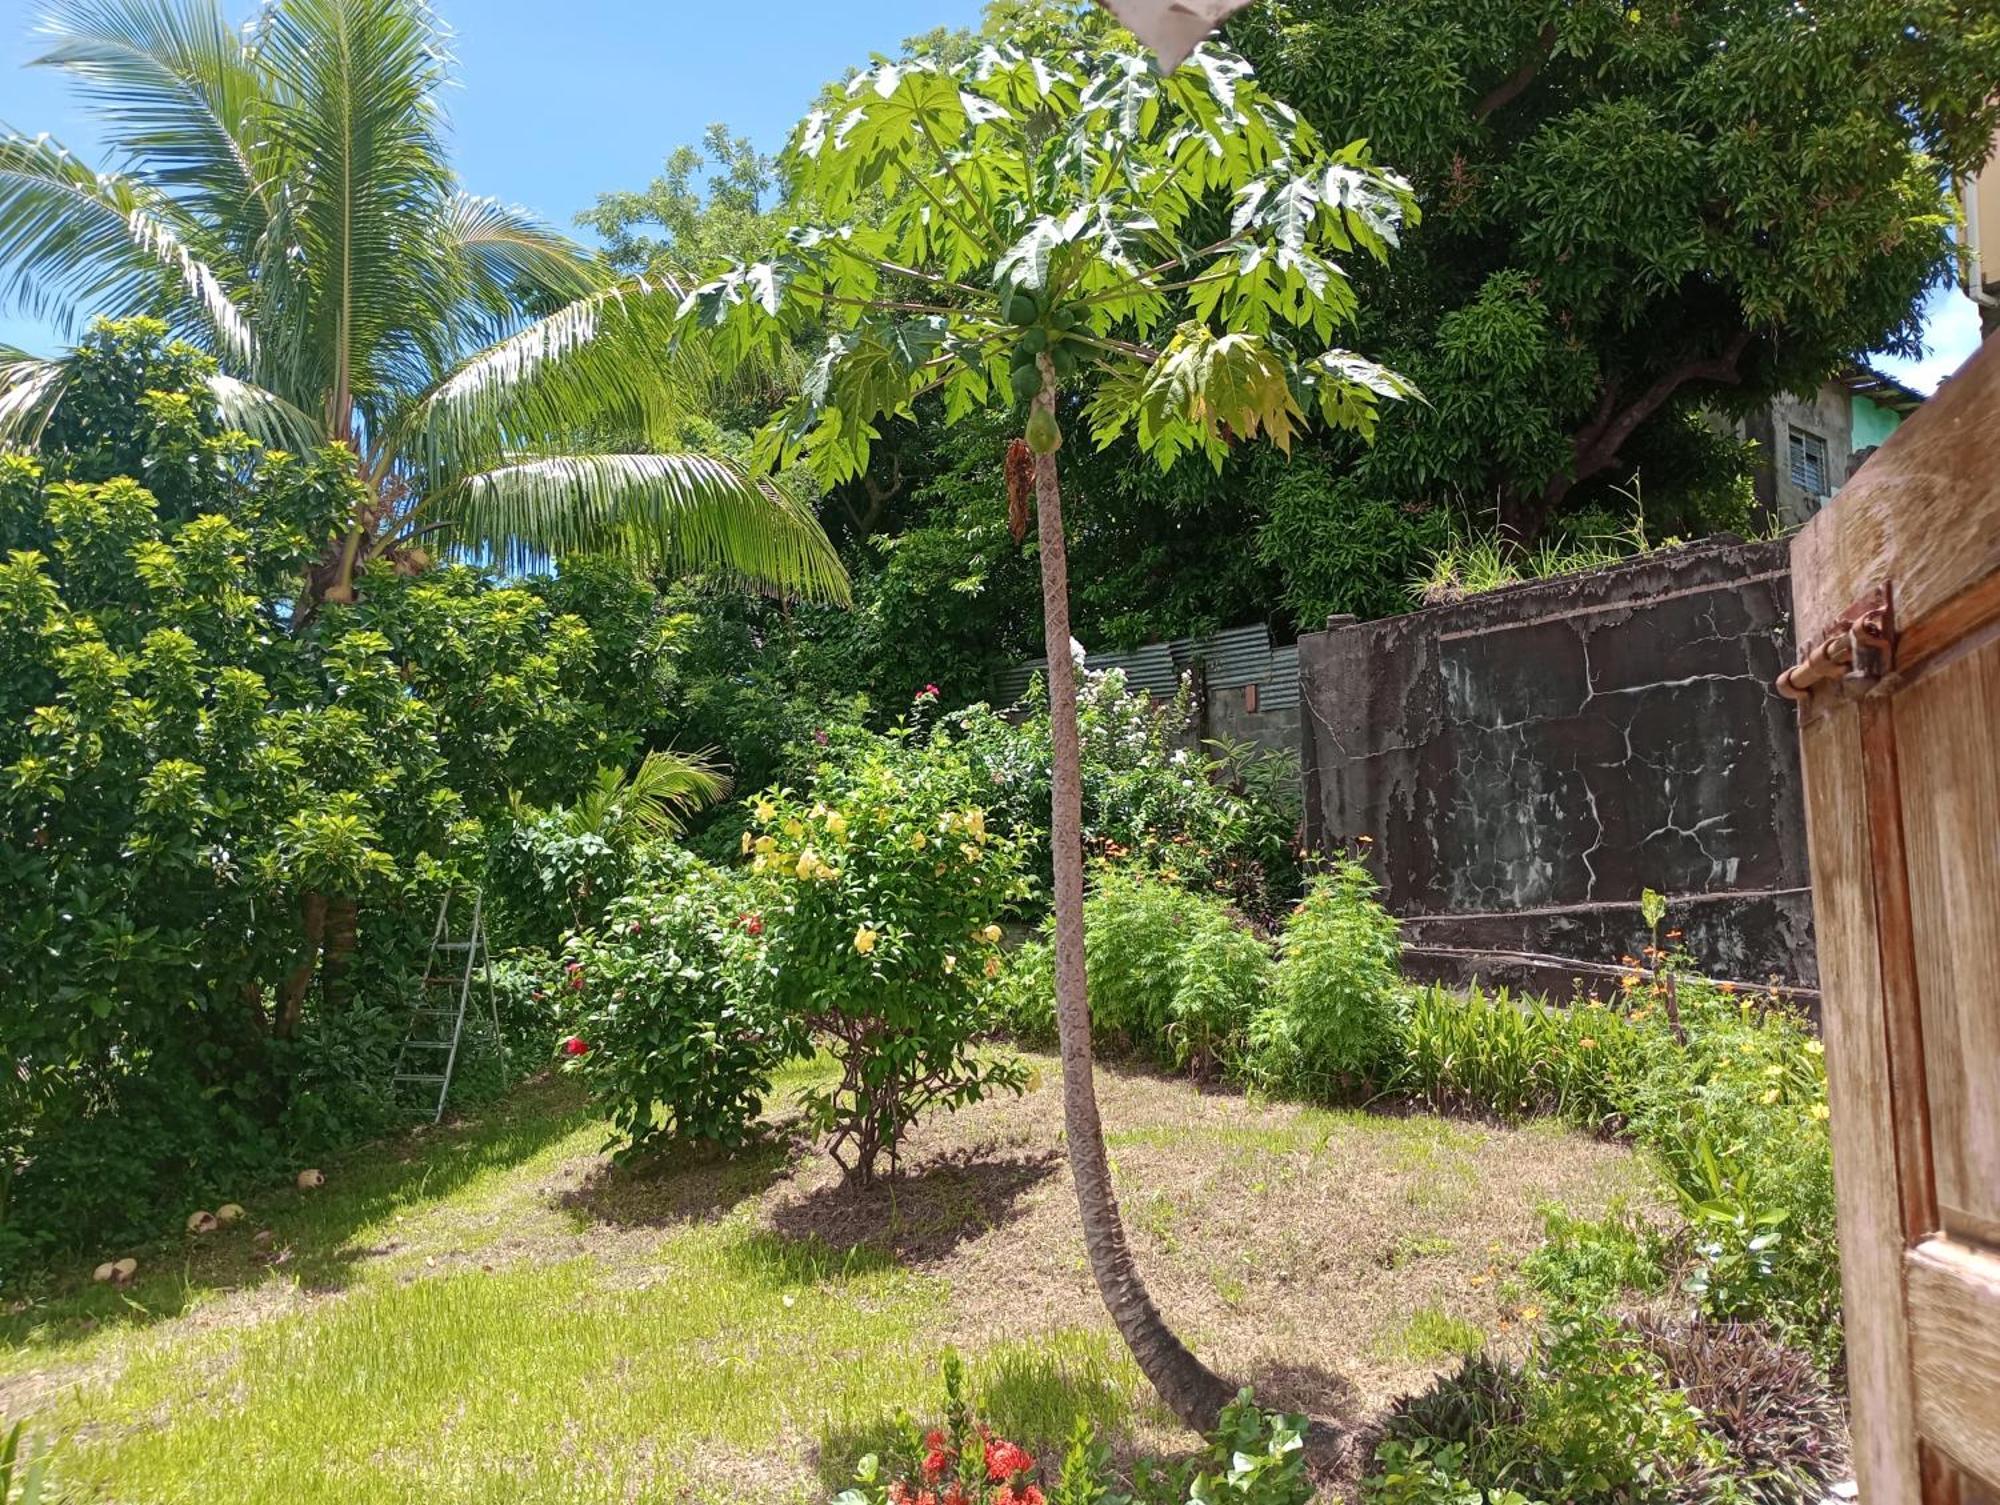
(430, 1046)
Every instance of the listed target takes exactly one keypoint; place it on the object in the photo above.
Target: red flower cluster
(575, 1045)
(753, 924)
(575, 970)
(928, 692)
(1007, 1465)
(1006, 1459)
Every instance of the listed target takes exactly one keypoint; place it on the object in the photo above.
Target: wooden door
(1896, 593)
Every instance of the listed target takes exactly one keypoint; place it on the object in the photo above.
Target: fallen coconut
(201, 1222)
(123, 1271)
(103, 1273)
(227, 1213)
(262, 1238)
(309, 1179)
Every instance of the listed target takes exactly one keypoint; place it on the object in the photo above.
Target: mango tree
(1101, 249)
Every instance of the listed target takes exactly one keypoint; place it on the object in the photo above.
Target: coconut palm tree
(283, 193)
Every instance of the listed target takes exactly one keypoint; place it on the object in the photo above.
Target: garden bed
(493, 1311)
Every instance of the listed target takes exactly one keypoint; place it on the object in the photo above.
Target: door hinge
(1855, 651)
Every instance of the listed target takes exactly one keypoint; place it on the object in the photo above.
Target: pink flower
(637, 928)
(928, 692)
(575, 1045)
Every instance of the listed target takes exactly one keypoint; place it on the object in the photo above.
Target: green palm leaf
(264, 416)
(30, 387)
(178, 94)
(686, 511)
(76, 240)
(607, 361)
(653, 800)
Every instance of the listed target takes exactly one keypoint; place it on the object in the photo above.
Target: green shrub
(1591, 1418)
(673, 1021)
(1171, 973)
(1223, 821)
(1596, 1262)
(1480, 1052)
(1330, 1026)
(882, 890)
(1024, 1000)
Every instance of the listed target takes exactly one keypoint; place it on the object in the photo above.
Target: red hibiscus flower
(575, 1045)
(753, 924)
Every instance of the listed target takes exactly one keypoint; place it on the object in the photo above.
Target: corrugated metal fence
(1232, 659)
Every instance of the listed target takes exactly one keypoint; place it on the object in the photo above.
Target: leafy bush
(1171, 973)
(1024, 1000)
(1224, 822)
(673, 1020)
(1590, 1417)
(1597, 1262)
(882, 891)
(1785, 1427)
(1330, 1024)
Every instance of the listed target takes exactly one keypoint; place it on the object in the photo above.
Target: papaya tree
(1102, 249)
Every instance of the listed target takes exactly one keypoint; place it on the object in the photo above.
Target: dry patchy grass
(492, 1311)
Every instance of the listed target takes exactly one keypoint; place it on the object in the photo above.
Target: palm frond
(352, 87)
(30, 388)
(265, 416)
(607, 361)
(653, 800)
(510, 254)
(691, 512)
(77, 240)
(178, 94)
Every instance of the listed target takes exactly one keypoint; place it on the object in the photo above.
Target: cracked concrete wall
(1520, 766)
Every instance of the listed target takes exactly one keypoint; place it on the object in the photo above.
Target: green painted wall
(1872, 422)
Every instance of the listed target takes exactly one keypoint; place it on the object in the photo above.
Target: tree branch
(1597, 443)
(1516, 83)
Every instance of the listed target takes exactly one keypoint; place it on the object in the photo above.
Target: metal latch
(1858, 649)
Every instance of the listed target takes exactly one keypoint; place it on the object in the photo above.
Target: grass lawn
(491, 1312)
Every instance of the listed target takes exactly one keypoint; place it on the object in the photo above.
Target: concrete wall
(1519, 767)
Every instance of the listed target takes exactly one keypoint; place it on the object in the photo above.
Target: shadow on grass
(921, 1216)
(1341, 1434)
(311, 1233)
(686, 1184)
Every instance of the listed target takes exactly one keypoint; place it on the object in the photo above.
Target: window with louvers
(1808, 456)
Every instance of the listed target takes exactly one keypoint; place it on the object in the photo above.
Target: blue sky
(560, 100)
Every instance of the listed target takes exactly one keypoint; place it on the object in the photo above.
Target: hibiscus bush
(882, 895)
(674, 1023)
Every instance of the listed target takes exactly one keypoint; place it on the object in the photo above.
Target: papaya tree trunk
(1194, 1392)
(338, 960)
(292, 992)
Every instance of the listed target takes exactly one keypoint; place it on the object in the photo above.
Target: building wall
(1826, 414)
(1872, 423)
(1520, 767)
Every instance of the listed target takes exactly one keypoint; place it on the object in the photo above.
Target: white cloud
(1951, 334)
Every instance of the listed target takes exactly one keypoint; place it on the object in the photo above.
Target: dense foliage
(226, 824)
(1631, 212)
